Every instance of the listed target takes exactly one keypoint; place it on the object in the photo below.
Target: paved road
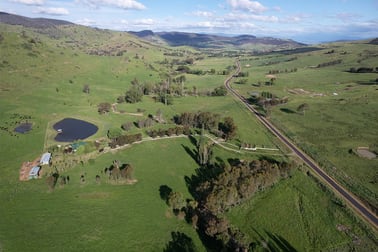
(348, 197)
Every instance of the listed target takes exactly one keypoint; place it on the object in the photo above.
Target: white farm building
(45, 159)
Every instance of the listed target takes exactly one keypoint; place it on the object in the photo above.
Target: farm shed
(45, 159)
(34, 172)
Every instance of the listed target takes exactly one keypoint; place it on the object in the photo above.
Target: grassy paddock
(301, 213)
(93, 217)
(342, 112)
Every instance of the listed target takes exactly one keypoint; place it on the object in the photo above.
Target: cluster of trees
(208, 121)
(216, 188)
(163, 90)
(118, 171)
(104, 107)
(363, 70)
(266, 99)
(242, 74)
(145, 123)
(188, 70)
(230, 187)
(239, 182)
(219, 91)
(178, 130)
(125, 139)
(330, 63)
(180, 62)
(277, 71)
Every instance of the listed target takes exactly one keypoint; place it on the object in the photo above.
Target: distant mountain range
(214, 41)
(196, 40)
(31, 22)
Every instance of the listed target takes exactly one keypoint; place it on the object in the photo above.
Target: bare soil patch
(26, 168)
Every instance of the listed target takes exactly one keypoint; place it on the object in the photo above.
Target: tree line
(218, 187)
(208, 121)
(120, 171)
(330, 63)
(363, 70)
(265, 99)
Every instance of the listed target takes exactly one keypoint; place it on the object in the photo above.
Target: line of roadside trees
(218, 187)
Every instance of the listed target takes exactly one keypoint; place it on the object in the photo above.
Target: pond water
(23, 127)
(70, 129)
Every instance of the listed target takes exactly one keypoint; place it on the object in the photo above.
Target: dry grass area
(365, 153)
(300, 91)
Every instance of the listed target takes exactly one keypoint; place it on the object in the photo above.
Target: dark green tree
(104, 107)
(134, 94)
(228, 127)
(302, 108)
(180, 243)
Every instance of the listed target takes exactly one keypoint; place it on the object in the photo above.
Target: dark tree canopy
(228, 127)
(134, 94)
(104, 107)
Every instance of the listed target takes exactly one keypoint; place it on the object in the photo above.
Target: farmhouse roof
(34, 171)
(45, 159)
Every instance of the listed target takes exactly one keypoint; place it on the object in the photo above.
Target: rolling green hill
(44, 72)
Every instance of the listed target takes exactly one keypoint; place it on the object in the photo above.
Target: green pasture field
(44, 80)
(98, 217)
(47, 86)
(342, 112)
(306, 217)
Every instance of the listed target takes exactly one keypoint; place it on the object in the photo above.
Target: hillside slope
(217, 41)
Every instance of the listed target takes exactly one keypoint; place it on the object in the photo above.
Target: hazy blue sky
(303, 20)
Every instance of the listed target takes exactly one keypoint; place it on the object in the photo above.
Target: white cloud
(124, 4)
(235, 17)
(247, 5)
(206, 14)
(52, 11)
(144, 22)
(86, 22)
(30, 2)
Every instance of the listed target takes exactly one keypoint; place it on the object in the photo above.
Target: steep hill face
(215, 41)
(31, 22)
(55, 29)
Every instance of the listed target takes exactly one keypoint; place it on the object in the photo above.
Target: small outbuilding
(34, 172)
(45, 159)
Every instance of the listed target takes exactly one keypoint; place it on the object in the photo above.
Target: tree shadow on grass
(272, 242)
(192, 152)
(367, 83)
(288, 111)
(180, 242)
